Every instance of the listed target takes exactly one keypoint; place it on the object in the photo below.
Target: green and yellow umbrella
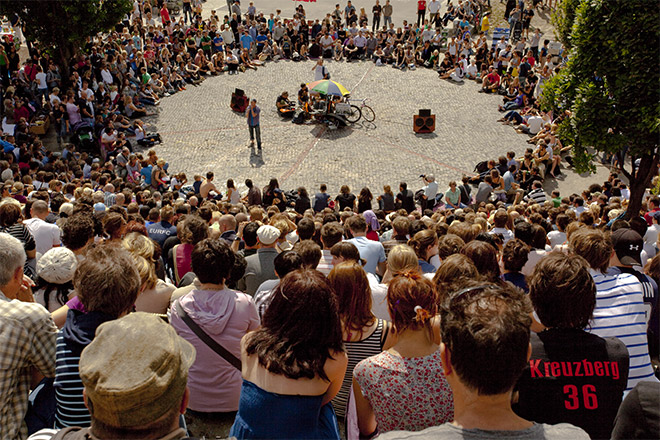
(327, 87)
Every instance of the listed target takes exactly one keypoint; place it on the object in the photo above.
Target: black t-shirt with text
(574, 377)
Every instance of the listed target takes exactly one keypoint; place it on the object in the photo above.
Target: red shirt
(493, 78)
(165, 15)
(21, 112)
(421, 5)
(647, 216)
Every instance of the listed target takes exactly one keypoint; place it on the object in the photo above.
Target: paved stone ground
(201, 133)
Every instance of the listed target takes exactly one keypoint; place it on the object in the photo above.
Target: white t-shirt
(506, 55)
(533, 259)
(108, 138)
(228, 36)
(46, 235)
(434, 7)
(535, 123)
(86, 94)
(326, 41)
(319, 73)
(41, 81)
(378, 298)
(107, 76)
(651, 235)
(507, 234)
(556, 238)
(54, 100)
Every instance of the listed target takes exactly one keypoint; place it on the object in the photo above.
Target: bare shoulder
(336, 364)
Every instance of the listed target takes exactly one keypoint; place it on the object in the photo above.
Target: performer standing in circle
(252, 114)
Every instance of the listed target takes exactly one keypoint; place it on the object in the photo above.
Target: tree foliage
(563, 20)
(64, 25)
(611, 87)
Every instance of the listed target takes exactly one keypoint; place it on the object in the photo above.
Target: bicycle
(363, 110)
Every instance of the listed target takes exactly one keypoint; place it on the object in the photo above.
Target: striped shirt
(536, 195)
(22, 233)
(77, 333)
(357, 351)
(71, 409)
(325, 264)
(620, 313)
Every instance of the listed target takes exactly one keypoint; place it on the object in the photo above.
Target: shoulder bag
(201, 334)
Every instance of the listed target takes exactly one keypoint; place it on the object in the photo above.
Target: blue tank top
(289, 416)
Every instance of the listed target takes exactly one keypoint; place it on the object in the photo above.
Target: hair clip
(422, 315)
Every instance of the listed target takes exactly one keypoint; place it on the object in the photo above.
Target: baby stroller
(517, 31)
(85, 140)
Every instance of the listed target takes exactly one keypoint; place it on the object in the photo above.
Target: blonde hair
(139, 246)
(147, 271)
(402, 258)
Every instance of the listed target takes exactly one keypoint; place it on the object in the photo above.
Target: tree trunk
(65, 54)
(640, 181)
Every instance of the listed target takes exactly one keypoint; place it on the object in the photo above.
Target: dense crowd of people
(183, 308)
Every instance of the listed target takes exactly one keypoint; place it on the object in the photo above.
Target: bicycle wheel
(354, 115)
(368, 114)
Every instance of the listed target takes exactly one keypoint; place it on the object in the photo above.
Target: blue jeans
(255, 131)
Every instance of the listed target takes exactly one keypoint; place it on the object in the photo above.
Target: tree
(563, 20)
(610, 89)
(64, 25)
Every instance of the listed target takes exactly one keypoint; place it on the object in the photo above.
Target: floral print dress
(407, 394)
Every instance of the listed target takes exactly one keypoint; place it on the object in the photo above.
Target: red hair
(405, 293)
(351, 286)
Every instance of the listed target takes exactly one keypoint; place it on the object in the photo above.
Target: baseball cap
(57, 266)
(268, 234)
(628, 246)
(99, 206)
(135, 370)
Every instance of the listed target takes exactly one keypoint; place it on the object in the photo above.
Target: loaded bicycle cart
(331, 105)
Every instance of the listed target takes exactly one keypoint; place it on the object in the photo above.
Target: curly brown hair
(485, 327)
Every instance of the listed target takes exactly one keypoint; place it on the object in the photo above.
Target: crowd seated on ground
(120, 76)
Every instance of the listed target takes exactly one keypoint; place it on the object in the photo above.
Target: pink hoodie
(225, 315)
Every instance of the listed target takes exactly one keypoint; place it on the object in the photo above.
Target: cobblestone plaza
(201, 133)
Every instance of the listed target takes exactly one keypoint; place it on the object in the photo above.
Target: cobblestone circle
(201, 133)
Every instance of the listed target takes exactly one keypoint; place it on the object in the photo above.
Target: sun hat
(135, 370)
(57, 266)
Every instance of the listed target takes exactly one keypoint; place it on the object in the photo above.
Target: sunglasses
(466, 293)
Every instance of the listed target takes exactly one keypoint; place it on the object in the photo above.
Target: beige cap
(135, 370)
